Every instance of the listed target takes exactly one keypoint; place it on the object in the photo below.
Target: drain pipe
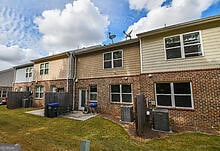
(74, 78)
(69, 55)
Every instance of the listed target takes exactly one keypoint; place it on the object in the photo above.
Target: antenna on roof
(110, 36)
(127, 34)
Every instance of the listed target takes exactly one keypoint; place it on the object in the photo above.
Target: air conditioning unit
(161, 120)
(127, 114)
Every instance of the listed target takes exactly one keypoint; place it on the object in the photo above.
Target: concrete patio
(76, 115)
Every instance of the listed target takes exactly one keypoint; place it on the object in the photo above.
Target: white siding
(153, 54)
(21, 76)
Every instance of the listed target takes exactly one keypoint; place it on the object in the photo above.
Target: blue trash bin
(52, 109)
(93, 107)
(92, 104)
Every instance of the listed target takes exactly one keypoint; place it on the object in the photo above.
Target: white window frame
(1, 93)
(29, 72)
(44, 68)
(182, 45)
(112, 59)
(93, 93)
(120, 93)
(173, 95)
(53, 88)
(41, 90)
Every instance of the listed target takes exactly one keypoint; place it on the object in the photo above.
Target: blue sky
(37, 28)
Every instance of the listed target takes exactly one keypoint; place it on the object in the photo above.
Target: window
(174, 95)
(39, 91)
(53, 88)
(60, 89)
(19, 89)
(29, 72)
(113, 59)
(184, 45)
(3, 93)
(93, 93)
(28, 88)
(121, 93)
(44, 68)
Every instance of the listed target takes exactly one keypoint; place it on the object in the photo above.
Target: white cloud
(16, 29)
(145, 4)
(14, 55)
(78, 24)
(157, 16)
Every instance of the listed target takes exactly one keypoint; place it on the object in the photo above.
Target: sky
(30, 29)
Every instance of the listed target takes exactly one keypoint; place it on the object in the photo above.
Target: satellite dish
(127, 34)
(110, 36)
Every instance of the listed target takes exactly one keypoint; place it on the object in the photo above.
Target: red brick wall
(103, 88)
(23, 85)
(47, 88)
(206, 98)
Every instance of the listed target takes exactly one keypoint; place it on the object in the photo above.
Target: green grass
(35, 133)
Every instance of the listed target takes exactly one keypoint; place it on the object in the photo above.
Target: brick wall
(23, 85)
(206, 97)
(103, 88)
(47, 88)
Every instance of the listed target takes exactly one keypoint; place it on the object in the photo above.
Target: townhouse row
(177, 66)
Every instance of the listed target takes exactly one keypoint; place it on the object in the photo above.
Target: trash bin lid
(93, 104)
(54, 104)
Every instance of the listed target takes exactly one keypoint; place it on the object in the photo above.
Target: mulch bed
(148, 133)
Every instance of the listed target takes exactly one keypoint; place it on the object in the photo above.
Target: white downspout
(69, 55)
(74, 78)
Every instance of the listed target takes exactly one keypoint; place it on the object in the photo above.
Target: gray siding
(6, 78)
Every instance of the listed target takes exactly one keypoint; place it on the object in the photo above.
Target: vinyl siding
(21, 76)
(58, 69)
(153, 53)
(91, 65)
(6, 78)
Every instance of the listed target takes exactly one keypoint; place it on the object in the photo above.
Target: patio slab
(36, 112)
(76, 115)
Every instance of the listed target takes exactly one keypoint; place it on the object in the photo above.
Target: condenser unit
(161, 120)
(127, 114)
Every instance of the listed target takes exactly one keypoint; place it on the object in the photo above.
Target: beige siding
(153, 54)
(57, 70)
(91, 65)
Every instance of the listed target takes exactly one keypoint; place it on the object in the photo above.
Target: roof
(87, 50)
(179, 26)
(6, 70)
(24, 65)
(100, 47)
(64, 54)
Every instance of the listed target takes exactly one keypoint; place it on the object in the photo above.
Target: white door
(82, 98)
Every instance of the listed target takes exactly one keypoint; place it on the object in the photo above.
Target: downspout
(74, 78)
(69, 55)
(14, 78)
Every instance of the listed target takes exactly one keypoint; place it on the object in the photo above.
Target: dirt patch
(147, 134)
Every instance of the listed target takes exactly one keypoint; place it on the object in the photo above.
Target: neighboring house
(6, 80)
(108, 75)
(51, 74)
(180, 70)
(24, 77)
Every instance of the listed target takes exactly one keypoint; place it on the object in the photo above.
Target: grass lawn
(35, 133)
